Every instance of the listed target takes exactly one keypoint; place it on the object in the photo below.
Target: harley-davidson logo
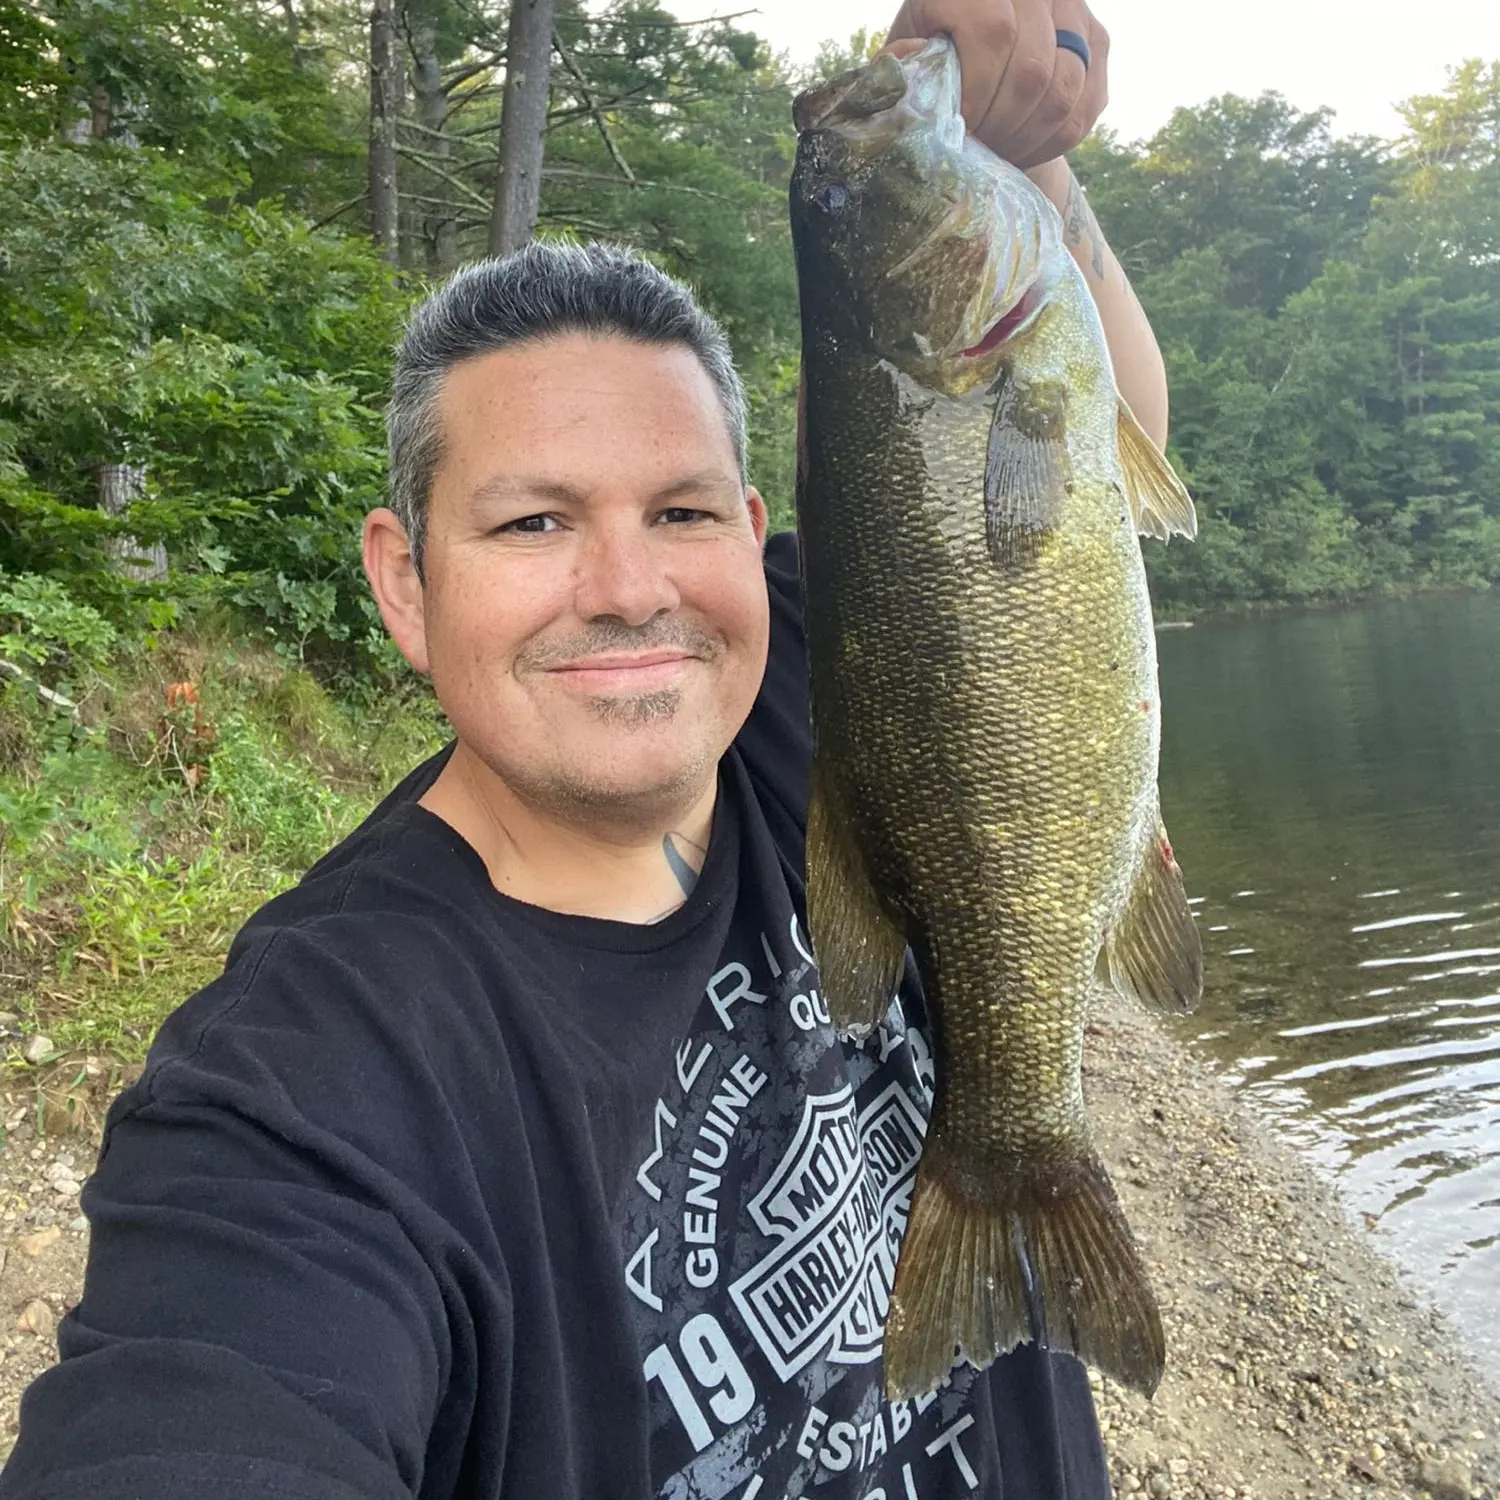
(837, 1205)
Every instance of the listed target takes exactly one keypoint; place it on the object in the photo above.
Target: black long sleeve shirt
(438, 1194)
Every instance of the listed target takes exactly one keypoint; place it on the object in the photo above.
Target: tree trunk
(119, 485)
(101, 115)
(384, 107)
(432, 107)
(409, 214)
(523, 118)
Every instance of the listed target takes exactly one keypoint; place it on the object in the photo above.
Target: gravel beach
(1298, 1364)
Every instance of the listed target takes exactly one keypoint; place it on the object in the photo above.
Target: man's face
(594, 613)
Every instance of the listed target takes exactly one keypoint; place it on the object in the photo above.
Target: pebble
(37, 1317)
(37, 1048)
(80, 1225)
(38, 1243)
(63, 1178)
(1445, 1479)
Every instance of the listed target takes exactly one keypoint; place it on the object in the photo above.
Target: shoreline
(1266, 609)
(1297, 1362)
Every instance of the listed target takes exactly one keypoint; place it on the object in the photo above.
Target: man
(513, 1155)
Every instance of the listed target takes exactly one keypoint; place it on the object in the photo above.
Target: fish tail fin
(1045, 1256)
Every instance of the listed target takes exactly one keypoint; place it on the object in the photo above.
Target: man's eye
(679, 514)
(530, 525)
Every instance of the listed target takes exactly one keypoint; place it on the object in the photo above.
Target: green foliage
(266, 801)
(133, 845)
(1330, 317)
(45, 627)
(198, 344)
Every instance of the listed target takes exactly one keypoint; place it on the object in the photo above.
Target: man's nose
(622, 573)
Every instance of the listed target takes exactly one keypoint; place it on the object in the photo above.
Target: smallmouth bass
(971, 492)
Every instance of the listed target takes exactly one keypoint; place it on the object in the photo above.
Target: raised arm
(1139, 371)
(1031, 98)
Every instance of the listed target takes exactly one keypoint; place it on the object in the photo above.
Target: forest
(214, 215)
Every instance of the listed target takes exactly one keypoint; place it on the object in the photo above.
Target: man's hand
(1025, 97)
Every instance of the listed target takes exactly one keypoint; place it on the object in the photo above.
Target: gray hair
(536, 293)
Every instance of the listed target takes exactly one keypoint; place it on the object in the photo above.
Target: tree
(440, 235)
(523, 119)
(384, 108)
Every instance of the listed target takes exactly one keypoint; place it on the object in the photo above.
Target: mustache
(615, 635)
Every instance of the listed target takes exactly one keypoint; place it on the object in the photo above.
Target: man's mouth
(623, 671)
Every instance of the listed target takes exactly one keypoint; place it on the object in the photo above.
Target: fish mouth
(920, 84)
(1013, 321)
(945, 252)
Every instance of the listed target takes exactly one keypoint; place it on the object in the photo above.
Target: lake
(1331, 784)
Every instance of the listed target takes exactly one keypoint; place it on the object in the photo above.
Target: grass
(196, 775)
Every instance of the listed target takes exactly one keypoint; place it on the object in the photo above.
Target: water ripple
(1411, 921)
(1332, 783)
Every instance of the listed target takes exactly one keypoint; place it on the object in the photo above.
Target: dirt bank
(1297, 1364)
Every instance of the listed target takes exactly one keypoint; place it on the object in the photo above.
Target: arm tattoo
(684, 859)
(1078, 221)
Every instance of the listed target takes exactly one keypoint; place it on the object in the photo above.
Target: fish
(971, 495)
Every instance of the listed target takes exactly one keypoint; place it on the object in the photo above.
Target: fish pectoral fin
(1158, 499)
(859, 949)
(1026, 469)
(1155, 952)
(993, 1260)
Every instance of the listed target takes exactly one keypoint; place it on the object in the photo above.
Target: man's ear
(395, 584)
(759, 516)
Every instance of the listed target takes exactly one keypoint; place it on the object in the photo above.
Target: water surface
(1331, 783)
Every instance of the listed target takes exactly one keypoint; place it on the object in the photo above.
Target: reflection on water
(1331, 783)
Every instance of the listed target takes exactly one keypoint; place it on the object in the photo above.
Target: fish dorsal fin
(1158, 501)
(1026, 470)
(859, 950)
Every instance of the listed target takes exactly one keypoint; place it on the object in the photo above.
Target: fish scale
(984, 704)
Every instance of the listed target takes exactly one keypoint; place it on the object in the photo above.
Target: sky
(1359, 56)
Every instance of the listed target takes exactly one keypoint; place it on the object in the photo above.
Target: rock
(1445, 1479)
(38, 1048)
(80, 1225)
(1160, 1487)
(63, 1178)
(39, 1242)
(37, 1317)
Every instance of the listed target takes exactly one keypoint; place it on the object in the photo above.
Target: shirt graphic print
(759, 1242)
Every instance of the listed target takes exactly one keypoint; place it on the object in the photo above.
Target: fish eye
(832, 197)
